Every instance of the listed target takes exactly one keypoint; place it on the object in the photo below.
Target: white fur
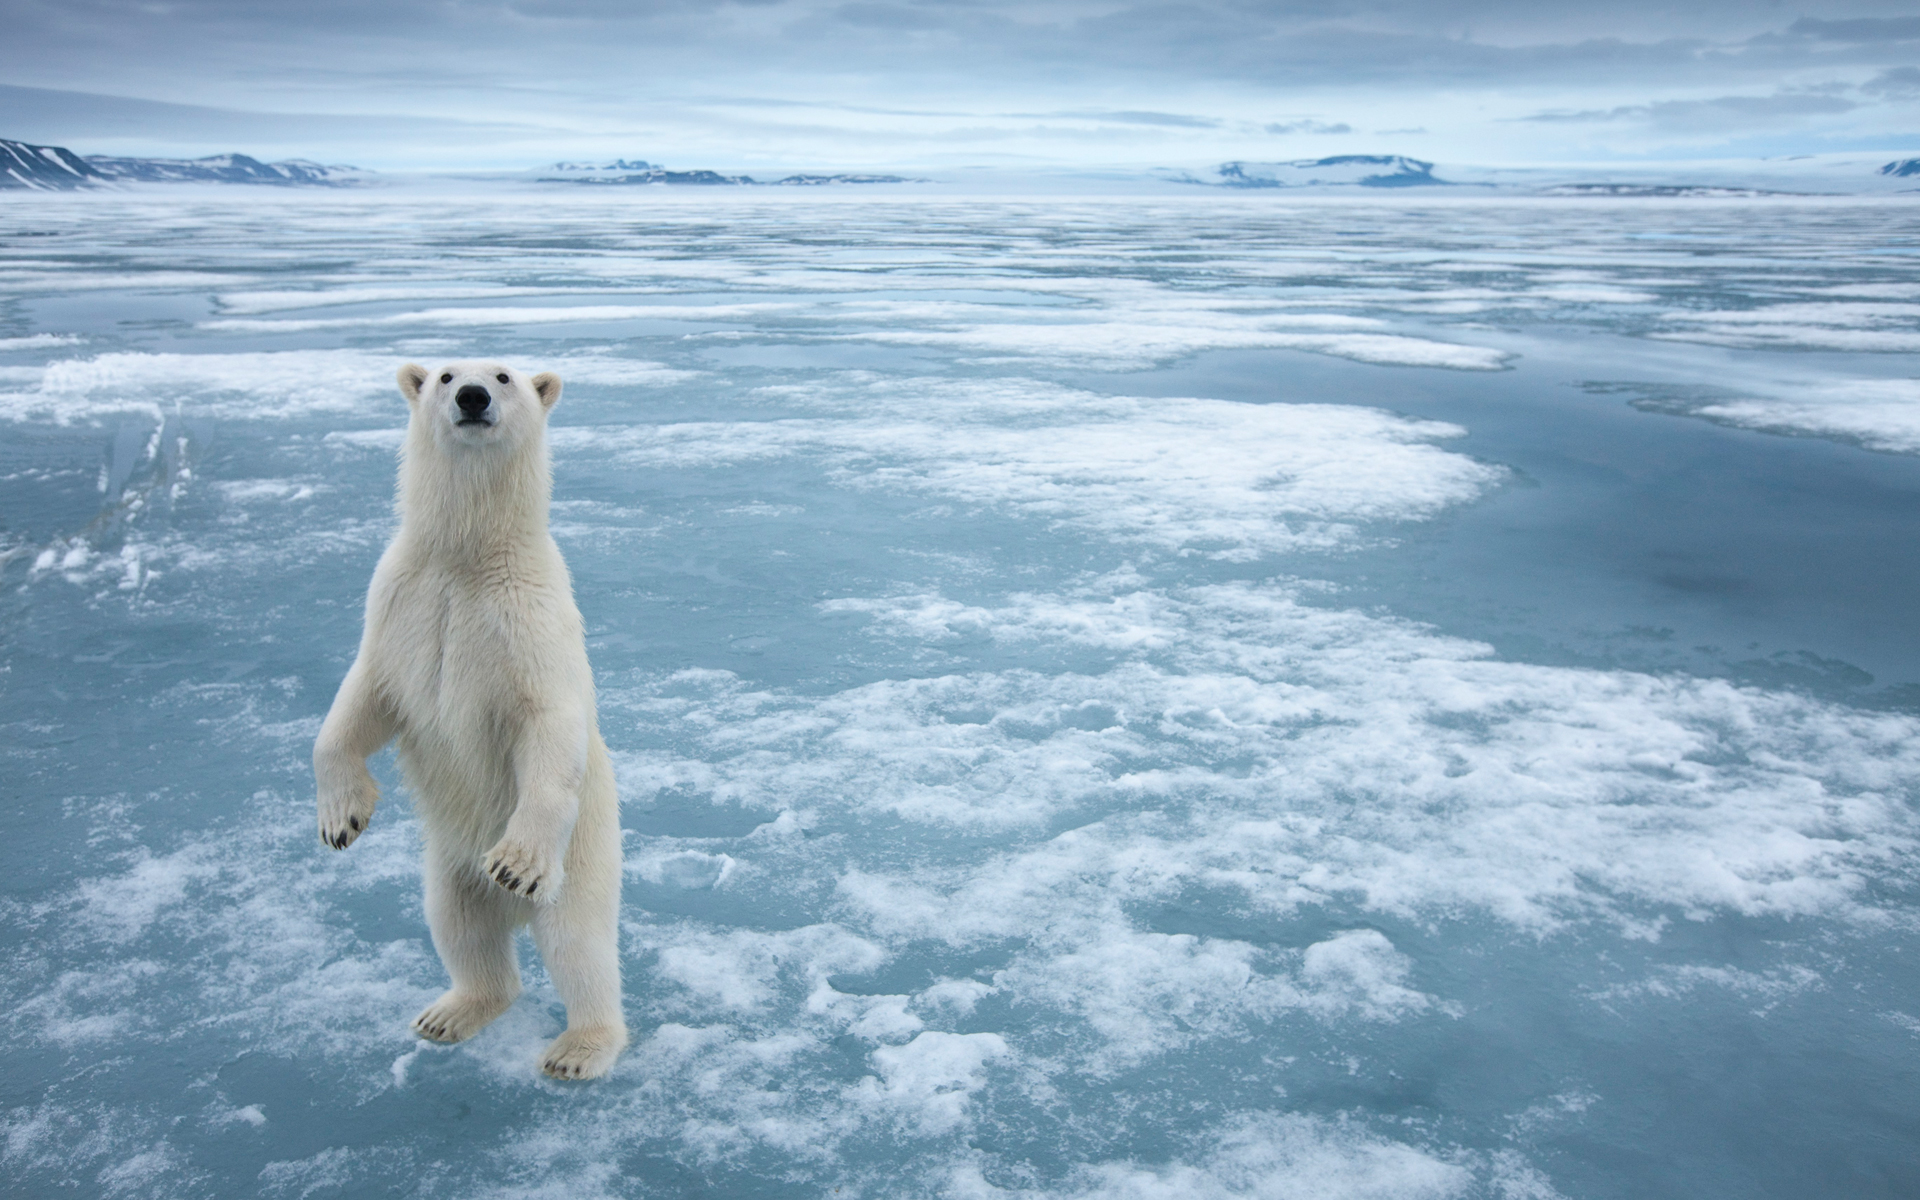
(473, 659)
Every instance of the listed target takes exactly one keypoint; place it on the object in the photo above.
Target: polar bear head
(474, 467)
(470, 405)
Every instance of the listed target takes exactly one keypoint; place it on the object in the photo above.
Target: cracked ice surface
(1136, 697)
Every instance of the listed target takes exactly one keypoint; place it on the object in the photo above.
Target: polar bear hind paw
(584, 1053)
(458, 1015)
(522, 871)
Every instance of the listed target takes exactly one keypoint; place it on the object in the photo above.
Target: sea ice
(1035, 784)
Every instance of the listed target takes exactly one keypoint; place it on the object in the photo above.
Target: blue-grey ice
(1198, 695)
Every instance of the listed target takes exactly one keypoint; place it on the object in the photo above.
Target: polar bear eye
(501, 378)
(447, 378)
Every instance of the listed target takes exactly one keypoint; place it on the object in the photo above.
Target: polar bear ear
(412, 378)
(546, 385)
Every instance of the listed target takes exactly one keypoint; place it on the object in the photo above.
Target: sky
(947, 84)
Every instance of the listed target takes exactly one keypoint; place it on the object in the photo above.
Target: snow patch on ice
(265, 301)
(1229, 479)
(491, 317)
(739, 969)
(928, 1081)
(263, 385)
(1668, 982)
(1117, 345)
(1295, 754)
(1275, 1156)
(1884, 327)
(1879, 414)
(690, 869)
(270, 384)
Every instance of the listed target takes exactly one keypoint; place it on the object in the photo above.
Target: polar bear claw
(457, 1016)
(346, 810)
(523, 871)
(583, 1053)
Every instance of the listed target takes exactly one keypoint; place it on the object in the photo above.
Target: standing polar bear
(473, 659)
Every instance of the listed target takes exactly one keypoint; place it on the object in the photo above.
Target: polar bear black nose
(473, 400)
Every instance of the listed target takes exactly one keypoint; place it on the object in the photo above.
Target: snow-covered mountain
(56, 168)
(1349, 170)
(225, 168)
(621, 172)
(1849, 173)
(618, 166)
(44, 168)
(639, 172)
(819, 180)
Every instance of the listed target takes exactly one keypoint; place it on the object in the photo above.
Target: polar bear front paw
(522, 870)
(346, 809)
(458, 1015)
(584, 1053)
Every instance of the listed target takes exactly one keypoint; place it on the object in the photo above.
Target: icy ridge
(27, 167)
(639, 172)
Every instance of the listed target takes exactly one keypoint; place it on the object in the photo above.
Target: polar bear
(474, 661)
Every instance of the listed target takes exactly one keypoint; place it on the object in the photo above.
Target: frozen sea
(1182, 696)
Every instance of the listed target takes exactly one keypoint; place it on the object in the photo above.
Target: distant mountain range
(26, 166)
(1659, 190)
(225, 168)
(1351, 170)
(56, 168)
(1727, 180)
(620, 172)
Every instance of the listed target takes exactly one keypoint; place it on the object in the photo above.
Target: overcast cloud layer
(941, 83)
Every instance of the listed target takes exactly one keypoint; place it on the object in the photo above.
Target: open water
(1176, 696)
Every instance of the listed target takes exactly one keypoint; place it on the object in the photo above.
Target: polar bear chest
(459, 657)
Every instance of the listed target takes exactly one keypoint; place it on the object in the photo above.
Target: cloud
(1126, 117)
(1307, 127)
(1395, 45)
(1720, 114)
(53, 115)
(1859, 30)
(1900, 83)
(1120, 79)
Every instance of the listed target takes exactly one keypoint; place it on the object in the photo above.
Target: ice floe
(1228, 479)
(1880, 414)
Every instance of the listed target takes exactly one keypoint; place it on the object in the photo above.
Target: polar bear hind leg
(580, 945)
(472, 923)
(579, 938)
